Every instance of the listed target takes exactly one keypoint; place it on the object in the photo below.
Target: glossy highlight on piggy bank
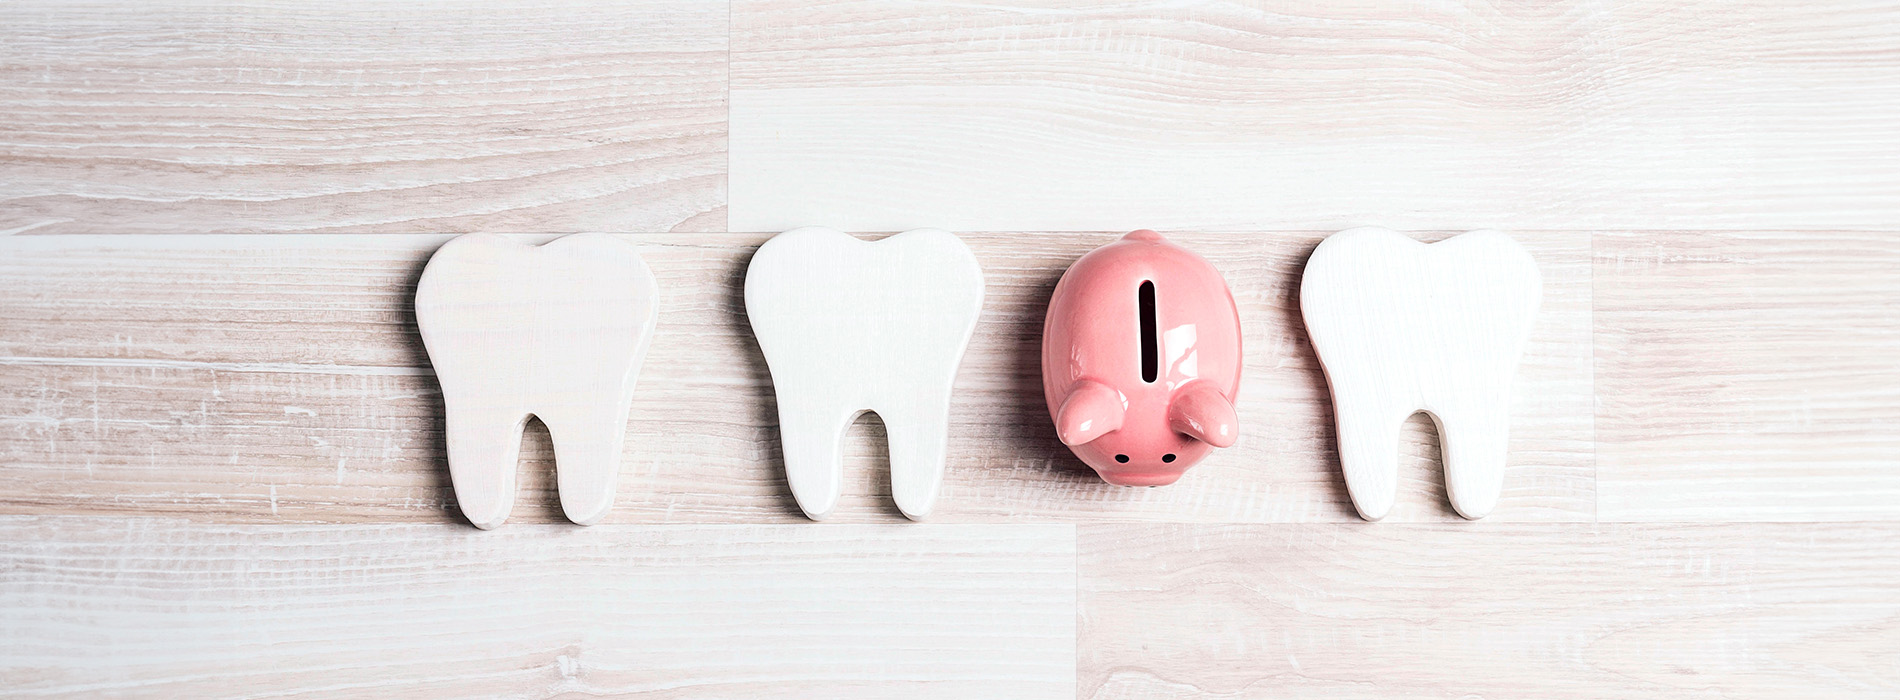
(1141, 360)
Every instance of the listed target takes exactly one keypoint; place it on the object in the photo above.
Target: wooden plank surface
(221, 463)
(1243, 116)
(280, 379)
(93, 607)
(1748, 376)
(303, 115)
(1493, 610)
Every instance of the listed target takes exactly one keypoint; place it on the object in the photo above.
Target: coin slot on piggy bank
(1141, 386)
(1150, 345)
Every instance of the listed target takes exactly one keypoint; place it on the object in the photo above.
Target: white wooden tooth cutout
(556, 331)
(849, 326)
(1401, 327)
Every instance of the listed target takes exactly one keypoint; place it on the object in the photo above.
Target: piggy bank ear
(1091, 410)
(1200, 411)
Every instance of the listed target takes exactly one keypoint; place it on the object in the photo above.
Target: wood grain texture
(271, 379)
(302, 115)
(1267, 115)
(221, 457)
(1748, 376)
(1489, 610)
(92, 607)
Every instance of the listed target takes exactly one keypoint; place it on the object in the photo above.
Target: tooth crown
(849, 326)
(1401, 326)
(556, 331)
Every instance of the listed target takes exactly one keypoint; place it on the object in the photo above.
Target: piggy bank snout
(1142, 460)
(1144, 443)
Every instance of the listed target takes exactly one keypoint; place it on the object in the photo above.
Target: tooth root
(1402, 326)
(811, 436)
(1368, 447)
(919, 436)
(813, 442)
(587, 446)
(848, 326)
(556, 331)
(483, 446)
(1476, 442)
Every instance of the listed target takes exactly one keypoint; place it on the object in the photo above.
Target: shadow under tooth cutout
(556, 331)
(1401, 327)
(849, 326)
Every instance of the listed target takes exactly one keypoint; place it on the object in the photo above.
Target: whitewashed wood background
(221, 469)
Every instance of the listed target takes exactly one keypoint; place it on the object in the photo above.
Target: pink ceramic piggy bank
(1141, 359)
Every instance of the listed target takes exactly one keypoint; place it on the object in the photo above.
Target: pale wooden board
(1078, 115)
(265, 379)
(1748, 376)
(307, 115)
(164, 608)
(236, 381)
(1490, 610)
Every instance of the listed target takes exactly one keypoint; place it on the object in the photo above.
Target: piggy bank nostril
(1169, 457)
(1121, 458)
